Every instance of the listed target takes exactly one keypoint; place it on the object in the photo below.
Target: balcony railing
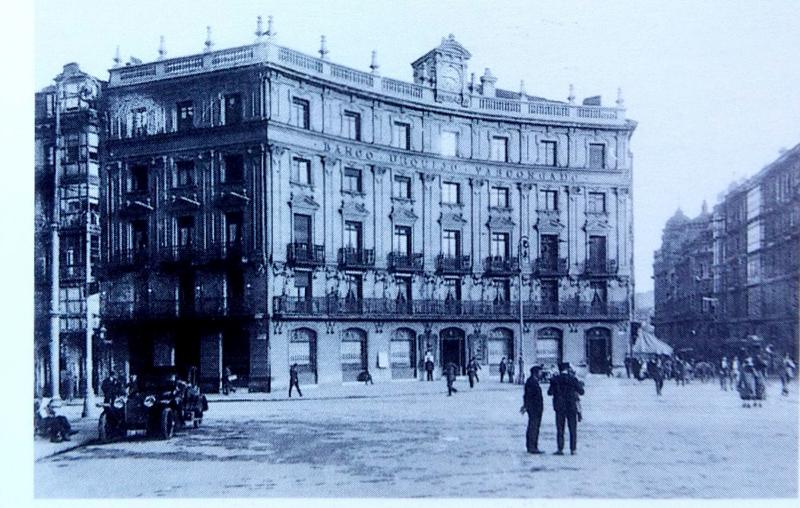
(203, 307)
(600, 267)
(128, 259)
(551, 266)
(180, 254)
(305, 254)
(356, 258)
(73, 272)
(387, 307)
(453, 264)
(500, 265)
(403, 262)
(233, 252)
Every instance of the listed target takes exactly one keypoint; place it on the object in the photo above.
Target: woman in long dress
(747, 383)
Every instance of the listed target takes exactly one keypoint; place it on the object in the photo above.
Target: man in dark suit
(294, 380)
(450, 376)
(565, 389)
(533, 404)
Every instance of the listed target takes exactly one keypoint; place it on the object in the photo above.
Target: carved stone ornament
(500, 222)
(428, 178)
(277, 327)
(277, 151)
(452, 220)
(548, 221)
(354, 209)
(302, 202)
(330, 327)
(329, 162)
(401, 215)
(597, 222)
(378, 326)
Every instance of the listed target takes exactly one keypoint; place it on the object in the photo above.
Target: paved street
(414, 441)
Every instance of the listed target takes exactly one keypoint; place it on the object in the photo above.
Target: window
(352, 180)
(185, 173)
(498, 197)
(597, 250)
(233, 168)
(301, 171)
(502, 288)
(599, 294)
(449, 144)
(499, 247)
(138, 178)
(72, 148)
(597, 156)
(452, 288)
(185, 115)
(450, 193)
(402, 240)
(548, 153)
(549, 292)
(139, 236)
(300, 110)
(352, 235)
(185, 230)
(352, 125)
(451, 243)
(596, 202)
(753, 236)
(302, 228)
(355, 286)
(302, 285)
(549, 248)
(548, 200)
(401, 135)
(233, 109)
(402, 187)
(404, 288)
(139, 122)
(233, 228)
(499, 149)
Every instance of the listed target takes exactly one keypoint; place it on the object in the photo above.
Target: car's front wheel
(167, 423)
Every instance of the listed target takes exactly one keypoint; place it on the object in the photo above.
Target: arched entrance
(453, 348)
(303, 352)
(403, 353)
(353, 353)
(549, 347)
(598, 349)
(501, 345)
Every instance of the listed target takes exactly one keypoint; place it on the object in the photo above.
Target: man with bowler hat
(565, 389)
(533, 404)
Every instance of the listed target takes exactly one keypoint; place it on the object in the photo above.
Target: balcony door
(302, 229)
(499, 247)
(599, 295)
(549, 250)
(353, 236)
(597, 251)
(402, 240)
(233, 230)
(451, 243)
(549, 292)
(139, 236)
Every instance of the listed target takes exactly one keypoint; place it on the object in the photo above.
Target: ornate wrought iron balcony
(202, 307)
(403, 262)
(453, 264)
(500, 265)
(128, 259)
(551, 266)
(353, 258)
(600, 267)
(305, 254)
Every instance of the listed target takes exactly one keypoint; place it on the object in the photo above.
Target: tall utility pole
(55, 248)
(523, 255)
(88, 390)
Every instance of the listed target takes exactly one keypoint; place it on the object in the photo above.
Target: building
(731, 275)
(758, 252)
(684, 284)
(67, 231)
(263, 207)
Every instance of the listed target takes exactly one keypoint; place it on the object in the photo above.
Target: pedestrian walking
(724, 373)
(655, 373)
(787, 373)
(746, 384)
(502, 368)
(227, 381)
(510, 370)
(521, 379)
(429, 365)
(628, 366)
(472, 372)
(294, 380)
(450, 376)
(609, 366)
(533, 404)
(565, 390)
(111, 387)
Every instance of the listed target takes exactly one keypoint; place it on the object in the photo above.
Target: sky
(713, 85)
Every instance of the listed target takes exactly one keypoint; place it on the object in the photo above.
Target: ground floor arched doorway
(454, 349)
(353, 353)
(598, 350)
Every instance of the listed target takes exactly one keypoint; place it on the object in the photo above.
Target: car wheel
(167, 423)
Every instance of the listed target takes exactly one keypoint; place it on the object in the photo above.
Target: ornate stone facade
(370, 219)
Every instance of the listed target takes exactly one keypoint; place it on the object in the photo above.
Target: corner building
(265, 207)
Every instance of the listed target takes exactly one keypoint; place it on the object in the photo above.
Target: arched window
(500, 345)
(402, 353)
(303, 352)
(549, 347)
(353, 353)
(598, 349)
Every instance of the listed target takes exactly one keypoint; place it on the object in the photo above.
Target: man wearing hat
(533, 404)
(565, 389)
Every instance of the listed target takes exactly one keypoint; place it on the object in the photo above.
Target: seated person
(50, 424)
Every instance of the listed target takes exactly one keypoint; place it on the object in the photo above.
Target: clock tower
(444, 68)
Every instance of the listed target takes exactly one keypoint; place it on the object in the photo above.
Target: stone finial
(270, 28)
(117, 58)
(209, 43)
(571, 97)
(522, 91)
(620, 100)
(259, 29)
(487, 83)
(374, 62)
(162, 49)
(323, 48)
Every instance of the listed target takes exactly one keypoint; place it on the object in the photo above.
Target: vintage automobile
(158, 404)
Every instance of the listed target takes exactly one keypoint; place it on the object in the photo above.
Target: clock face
(450, 79)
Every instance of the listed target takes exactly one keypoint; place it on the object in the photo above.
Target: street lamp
(88, 391)
(523, 254)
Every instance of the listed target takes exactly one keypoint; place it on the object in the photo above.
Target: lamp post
(523, 255)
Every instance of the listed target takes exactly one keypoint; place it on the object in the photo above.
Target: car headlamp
(119, 402)
(149, 401)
